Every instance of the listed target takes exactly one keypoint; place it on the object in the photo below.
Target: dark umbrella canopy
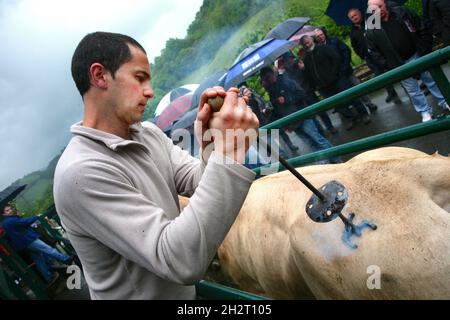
(338, 9)
(178, 92)
(255, 57)
(306, 30)
(287, 29)
(174, 111)
(10, 194)
(216, 79)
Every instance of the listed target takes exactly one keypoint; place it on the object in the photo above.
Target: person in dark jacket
(294, 69)
(359, 45)
(23, 237)
(260, 107)
(439, 13)
(346, 69)
(403, 38)
(287, 97)
(322, 67)
(271, 117)
(263, 110)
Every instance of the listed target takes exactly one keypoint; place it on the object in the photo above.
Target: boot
(353, 123)
(372, 107)
(393, 96)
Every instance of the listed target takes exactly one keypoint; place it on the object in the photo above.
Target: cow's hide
(275, 249)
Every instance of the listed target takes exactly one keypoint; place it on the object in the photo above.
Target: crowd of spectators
(322, 68)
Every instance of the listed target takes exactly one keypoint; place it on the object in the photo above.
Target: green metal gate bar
(378, 140)
(432, 61)
(441, 81)
(16, 263)
(215, 291)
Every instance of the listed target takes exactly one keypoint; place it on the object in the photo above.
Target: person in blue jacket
(23, 237)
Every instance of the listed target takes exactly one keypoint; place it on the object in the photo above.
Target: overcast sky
(38, 99)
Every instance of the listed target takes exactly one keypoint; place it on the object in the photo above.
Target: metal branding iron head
(331, 206)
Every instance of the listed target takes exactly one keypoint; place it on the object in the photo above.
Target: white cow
(275, 249)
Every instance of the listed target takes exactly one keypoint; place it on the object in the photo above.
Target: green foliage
(44, 202)
(221, 30)
(253, 28)
(415, 5)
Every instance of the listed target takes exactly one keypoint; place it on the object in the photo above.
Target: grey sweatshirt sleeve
(187, 169)
(103, 204)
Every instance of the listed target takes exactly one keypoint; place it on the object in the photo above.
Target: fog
(38, 99)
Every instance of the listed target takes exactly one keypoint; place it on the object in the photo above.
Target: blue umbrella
(255, 57)
(338, 9)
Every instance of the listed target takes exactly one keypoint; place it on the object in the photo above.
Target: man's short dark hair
(324, 30)
(109, 49)
(266, 71)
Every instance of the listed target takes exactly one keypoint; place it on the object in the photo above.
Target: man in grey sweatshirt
(117, 183)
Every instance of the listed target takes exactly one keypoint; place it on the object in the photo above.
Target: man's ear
(98, 76)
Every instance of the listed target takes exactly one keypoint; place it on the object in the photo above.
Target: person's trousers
(343, 84)
(418, 99)
(41, 253)
(309, 131)
(377, 70)
(355, 81)
(311, 99)
(285, 137)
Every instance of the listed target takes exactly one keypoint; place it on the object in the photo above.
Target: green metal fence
(214, 291)
(17, 278)
(9, 260)
(432, 62)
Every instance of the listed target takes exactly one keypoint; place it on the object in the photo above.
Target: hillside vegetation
(221, 29)
(38, 195)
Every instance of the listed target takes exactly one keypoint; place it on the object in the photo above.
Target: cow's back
(273, 246)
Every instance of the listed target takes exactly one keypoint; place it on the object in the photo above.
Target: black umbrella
(10, 194)
(216, 79)
(287, 29)
(338, 9)
(254, 58)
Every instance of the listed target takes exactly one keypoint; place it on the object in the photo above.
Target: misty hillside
(38, 195)
(221, 29)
